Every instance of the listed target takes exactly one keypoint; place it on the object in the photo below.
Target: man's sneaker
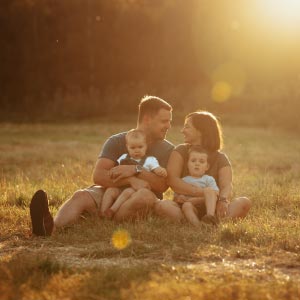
(41, 219)
(209, 219)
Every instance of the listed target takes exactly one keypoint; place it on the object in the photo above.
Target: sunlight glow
(284, 13)
(121, 239)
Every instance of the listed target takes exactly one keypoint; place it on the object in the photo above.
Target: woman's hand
(222, 208)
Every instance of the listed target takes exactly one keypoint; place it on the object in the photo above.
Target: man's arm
(102, 176)
(156, 183)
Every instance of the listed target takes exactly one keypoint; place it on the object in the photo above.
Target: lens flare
(229, 80)
(221, 91)
(121, 239)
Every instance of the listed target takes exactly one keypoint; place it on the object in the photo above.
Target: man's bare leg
(71, 210)
(138, 205)
(169, 209)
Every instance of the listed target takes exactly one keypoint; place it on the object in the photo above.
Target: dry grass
(257, 258)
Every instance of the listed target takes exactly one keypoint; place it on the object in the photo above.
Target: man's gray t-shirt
(115, 146)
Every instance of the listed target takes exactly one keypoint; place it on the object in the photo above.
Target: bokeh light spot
(221, 91)
(121, 239)
(228, 79)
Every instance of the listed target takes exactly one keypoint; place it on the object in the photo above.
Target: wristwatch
(138, 169)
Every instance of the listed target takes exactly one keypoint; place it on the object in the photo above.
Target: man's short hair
(150, 105)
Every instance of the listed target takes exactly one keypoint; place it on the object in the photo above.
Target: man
(154, 118)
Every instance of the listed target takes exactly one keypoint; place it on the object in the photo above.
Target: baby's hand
(160, 172)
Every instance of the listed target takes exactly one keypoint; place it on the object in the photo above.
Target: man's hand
(137, 183)
(180, 199)
(122, 171)
(160, 171)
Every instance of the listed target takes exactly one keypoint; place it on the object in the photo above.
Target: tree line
(91, 58)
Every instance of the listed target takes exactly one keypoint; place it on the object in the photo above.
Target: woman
(203, 129)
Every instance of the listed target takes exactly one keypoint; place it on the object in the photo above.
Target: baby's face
(197, 164)
(136, 147)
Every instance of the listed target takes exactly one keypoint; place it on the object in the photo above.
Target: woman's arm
(225, 182)
(225, 186)
(174, 170)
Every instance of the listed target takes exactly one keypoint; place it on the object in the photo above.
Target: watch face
(138, 168)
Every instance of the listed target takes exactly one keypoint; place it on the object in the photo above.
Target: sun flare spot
(121, 239)
(228, 80)
(221, 91)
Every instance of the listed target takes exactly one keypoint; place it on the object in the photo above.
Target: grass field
(257, 258)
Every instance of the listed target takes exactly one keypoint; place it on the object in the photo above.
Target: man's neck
(149, 139)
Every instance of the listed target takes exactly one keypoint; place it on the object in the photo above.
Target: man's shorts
(96, 192)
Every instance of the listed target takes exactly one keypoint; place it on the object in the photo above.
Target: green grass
(257, 258)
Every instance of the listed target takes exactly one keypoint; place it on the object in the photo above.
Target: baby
(136, 146)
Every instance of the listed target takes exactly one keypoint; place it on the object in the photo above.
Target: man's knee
(161, 207)
(138, 205)
(145, 196)
(168, 209)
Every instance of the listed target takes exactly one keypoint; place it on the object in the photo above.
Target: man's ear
(146, 119)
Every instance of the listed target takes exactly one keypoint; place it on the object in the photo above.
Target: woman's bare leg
(239, 208)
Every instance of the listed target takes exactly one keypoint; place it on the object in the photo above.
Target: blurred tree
(90, 58)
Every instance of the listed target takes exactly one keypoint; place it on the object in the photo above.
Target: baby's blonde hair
(135, 134)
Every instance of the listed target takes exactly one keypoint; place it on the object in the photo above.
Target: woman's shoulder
(220, 153)
(220, 157)
(182, 147)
